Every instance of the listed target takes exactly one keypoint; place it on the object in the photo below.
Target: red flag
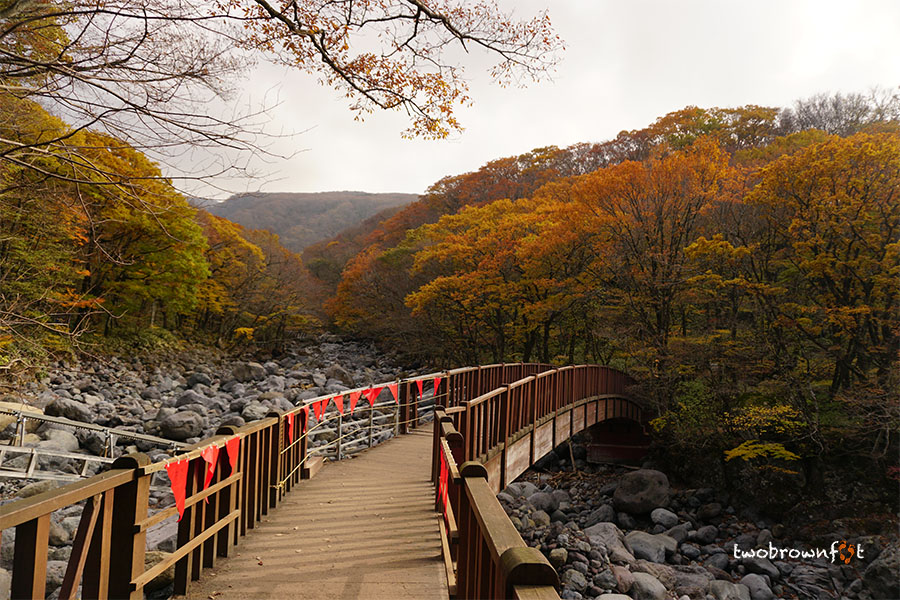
(178, 472)
(317, 409)
(354, 398)
(209, 454)
(232, 447)
(339, 402)
(393, 388)
(290, 427)
(372, 395)
(437, 382)
(419, 385)
(324, 404)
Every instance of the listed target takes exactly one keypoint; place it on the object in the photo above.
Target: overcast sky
(625, 64)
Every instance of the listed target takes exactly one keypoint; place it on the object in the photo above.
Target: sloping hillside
(301, 219)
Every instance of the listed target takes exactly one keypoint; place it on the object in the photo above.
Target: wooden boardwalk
(362, 528)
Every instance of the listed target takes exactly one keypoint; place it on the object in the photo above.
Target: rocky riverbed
(184, 397)
(614, 533)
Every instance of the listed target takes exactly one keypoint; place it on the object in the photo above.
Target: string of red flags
(318, 410)
(437, 382)
(354, 398)
(419, 385)
(393, 388)
(290, 427)
(210, 454)
(372, 395)
(304, 423)
(232, 447)
(339, 402)
(178, 473)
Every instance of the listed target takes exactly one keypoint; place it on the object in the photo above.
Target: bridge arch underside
(611, 412)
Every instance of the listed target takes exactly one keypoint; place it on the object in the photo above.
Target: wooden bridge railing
(483, 442)
(255, 465)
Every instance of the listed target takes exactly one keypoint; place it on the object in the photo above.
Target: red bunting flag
(317, 409)
(178, 472)
(393, 388)
(290, 427)
(339, 402)
(232, 447)
(437, 382)
(354, 398)
(209, 454)
(419, 385)
(372, 395)
(324, 404)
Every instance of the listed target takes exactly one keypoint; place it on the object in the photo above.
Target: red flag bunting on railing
(354, 398)
(232, 447)
(290, 427)
(437, 382)
(317, 409)
(372, 395)
(393, 388)
(339, 402)
(419, 385)
(178, 472)
(209, 454)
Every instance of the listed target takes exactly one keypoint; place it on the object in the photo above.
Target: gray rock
(56, 570)
(190, 397)
(574, 579)
(759, 589)
(61, 439)
(39, 487)
(718, 560)
(69, 409)
(250, 371)
(201, 378)
(647, 587)
(606, 580)
(603, 514)
(641, 491)
(612, 539)
(709, 511)
(647, 546)
(181, 426)
(623, 577)
(613, 597)
(254, 411)
(881, 576)
(523, 489)
(58, 535)
(680, 532)
(321, 380)
(664, 517)
(558, 557)
(544, 501)
(151, 393)
(725, 590)
(761, 566)
(705, 535)
(625, 521)
(692, 581)
(690, 551)
(164, 579)
(540, 518)
(5, 583)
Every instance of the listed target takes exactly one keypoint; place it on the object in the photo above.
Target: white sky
(626, 63)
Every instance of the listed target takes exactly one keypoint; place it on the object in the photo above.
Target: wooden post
(371, 424)
(276, 444)
(340, 433)
(128, 540)
(404, 407)
(229, 498)
(30, 558)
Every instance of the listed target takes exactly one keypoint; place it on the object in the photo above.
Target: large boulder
(881, 577)
(69, 409)
(647, 587)
(650, 547)
(759, 589)
(544, 501)
(725, 590)
(6, 420)
(249, 371)
(641, 491)
(181, 426)
(610, 537)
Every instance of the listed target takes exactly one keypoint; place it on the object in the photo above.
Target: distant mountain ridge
(302, 219)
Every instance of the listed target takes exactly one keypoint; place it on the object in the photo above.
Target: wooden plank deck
(362, 528)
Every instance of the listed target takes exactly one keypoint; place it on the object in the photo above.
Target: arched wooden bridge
(363, 528)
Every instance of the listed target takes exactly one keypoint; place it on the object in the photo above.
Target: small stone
(647, 587)
(759, 589)
(558, 557)
(726, 590)
(709, 511)
(664, 517)
(574, 580)
(705, 535)
(540, 518)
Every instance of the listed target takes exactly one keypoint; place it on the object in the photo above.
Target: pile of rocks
(632, 536)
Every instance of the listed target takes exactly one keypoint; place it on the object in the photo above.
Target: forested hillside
(742, 263)
(301, 219)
